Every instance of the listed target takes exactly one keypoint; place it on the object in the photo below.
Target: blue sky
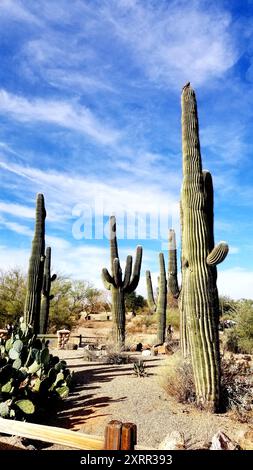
(90, 116)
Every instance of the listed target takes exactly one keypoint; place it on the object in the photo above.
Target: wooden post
(80, 341)
(120, 436)
(128, 436)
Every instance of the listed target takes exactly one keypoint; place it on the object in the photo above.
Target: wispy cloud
(196, 45)
(17, 210)
(15, 10)
(60, 113)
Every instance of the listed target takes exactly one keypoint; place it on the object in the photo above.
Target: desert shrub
(142, 323)
(30, 377)
(231, 341)
(237, 387)
(240, 338)
(176, 378)
(117, 358)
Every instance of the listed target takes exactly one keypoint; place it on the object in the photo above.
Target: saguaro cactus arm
(218, 254)
(107, 279)
(136, 271)
(128, 271)
(117, 272)
(46, 297)
(150, 292)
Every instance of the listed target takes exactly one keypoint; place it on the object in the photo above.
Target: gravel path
(106, 392)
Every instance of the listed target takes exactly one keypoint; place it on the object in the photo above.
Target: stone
(220, 441)
(173, 441)
(146, 353)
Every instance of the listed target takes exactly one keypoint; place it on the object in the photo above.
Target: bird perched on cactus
(119, 285)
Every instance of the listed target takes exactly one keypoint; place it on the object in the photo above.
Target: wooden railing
(81, 338)
(118, 435)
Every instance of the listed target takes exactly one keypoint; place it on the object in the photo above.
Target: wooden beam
(60, 436)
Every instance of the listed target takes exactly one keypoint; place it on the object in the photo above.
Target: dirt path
(105, 392)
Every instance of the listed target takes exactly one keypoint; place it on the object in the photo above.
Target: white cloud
(17, 210)
(16, 227)
(236, 283)
(60, 113)
(107, 198)
(14, 10)
(175, 41)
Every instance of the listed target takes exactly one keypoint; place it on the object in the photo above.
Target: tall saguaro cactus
(160, 306)
(199, 296)
(35, 270)
(46, 297)
(119, 285)
(172, 266)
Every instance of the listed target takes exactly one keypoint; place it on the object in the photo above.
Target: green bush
(240, 338)
(30, 377)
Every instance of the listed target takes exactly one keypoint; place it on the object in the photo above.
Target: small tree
(134, 302)
(12, 295)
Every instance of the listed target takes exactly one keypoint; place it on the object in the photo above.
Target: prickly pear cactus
(119, 285)
(29, 375)
(199, 298)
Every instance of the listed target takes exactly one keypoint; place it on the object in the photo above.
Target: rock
(146, 353)
(173, 441)
(221, 441)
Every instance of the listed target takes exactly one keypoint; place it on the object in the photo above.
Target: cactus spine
(35, 270)
(160, 307)
(119, 286)
(46, 297)
(199, 297)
